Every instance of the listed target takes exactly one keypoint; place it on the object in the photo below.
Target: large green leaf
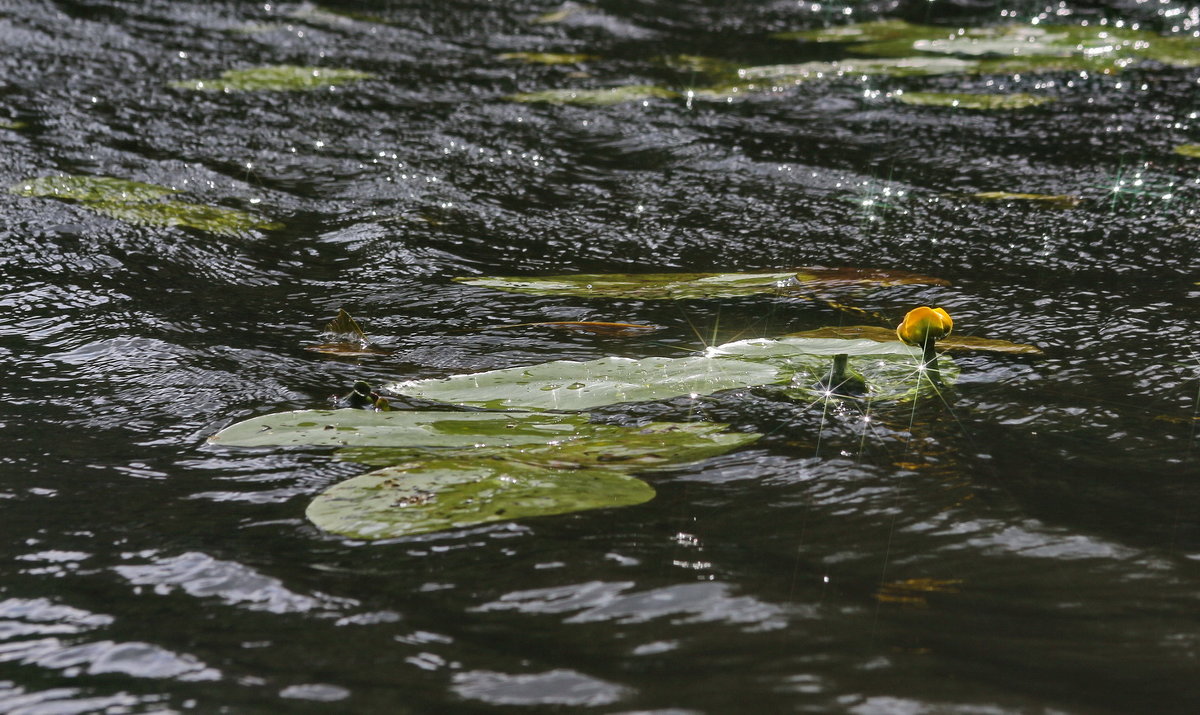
(890, 368)
(573, 386)
(400, 428)
(435, 495)
(650, 446)
(278, 78)
(653, 286)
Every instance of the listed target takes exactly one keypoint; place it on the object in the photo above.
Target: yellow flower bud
(924, 325)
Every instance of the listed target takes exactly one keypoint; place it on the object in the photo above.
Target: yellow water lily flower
(924, 325)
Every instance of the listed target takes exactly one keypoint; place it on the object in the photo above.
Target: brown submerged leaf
(350, 341)
(588, 326)
(950, 342)
(912, 591)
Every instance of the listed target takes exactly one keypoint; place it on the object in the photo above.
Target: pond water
(1028, 541)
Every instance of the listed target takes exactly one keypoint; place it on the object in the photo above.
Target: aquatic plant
(923, 327)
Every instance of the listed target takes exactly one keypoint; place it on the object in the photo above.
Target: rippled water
(1029, 544)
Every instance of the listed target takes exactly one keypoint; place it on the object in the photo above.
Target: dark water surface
(1032, 544)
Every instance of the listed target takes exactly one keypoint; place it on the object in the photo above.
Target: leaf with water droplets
(278, 78)
(955, 342)
(435, 495)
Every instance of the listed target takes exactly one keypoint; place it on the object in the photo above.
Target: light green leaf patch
(569, 385)
(677, 286)
(961, 100)
(1189, 150)
(279, 78)
(796, 363)
(401, 428)
(594, 97)
(423, 497)
(91, 189)
(139, 203)
(954, 342)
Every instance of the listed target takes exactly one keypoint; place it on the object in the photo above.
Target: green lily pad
(594, 97)
(954, 342)
(766, 78)
(676, 286)
(436, 495)
(12, 125)
(401, 428)
(214, 219)
(961, 100)
(568, 385)
(1058, 201)
(548, 58)
(90, 189)
(651, 446)
(1189, 150)
(278, 78)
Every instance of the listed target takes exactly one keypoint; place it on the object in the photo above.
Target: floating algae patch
(594, 97)
(140, 203)
(278, 78)
(963, 100)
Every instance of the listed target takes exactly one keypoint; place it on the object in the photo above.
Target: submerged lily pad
(214, 219)
(1190, 150)
(276, 78)
(676, 286)
(957, 343)
(1058, 201)
(751, 80)
(137, 203)
(548, 58)
(594, 97)
(91, 189)
(962, 100)
(435, 495)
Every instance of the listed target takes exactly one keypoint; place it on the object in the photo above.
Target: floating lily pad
(566, 385)
(961, 100)
(751, 80)
(569, 385)
(650, 446)
(1190, 150)
(1058, 201)
(90, 189)
(214, 219)
(366, 428)
(548, 58)
(891, 370)
(675, 286)
(137, 203)
(594, 97)
(12, 125)
(957, 343)
(278, 78)
(435, 495)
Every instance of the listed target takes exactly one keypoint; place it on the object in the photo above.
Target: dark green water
(1031, 544)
